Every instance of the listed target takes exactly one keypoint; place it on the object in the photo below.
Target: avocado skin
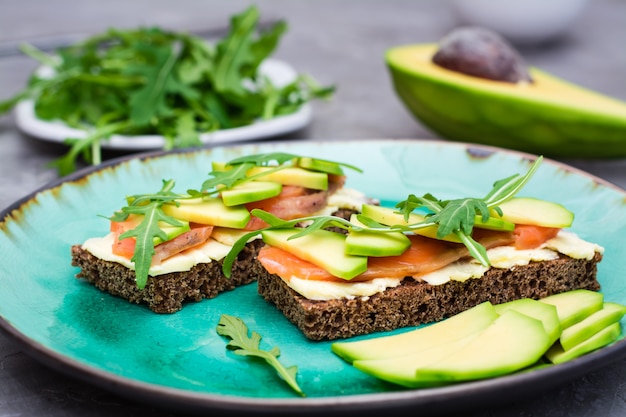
(498, 117)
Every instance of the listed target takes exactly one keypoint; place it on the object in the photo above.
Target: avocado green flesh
(366, 243)
(320, 165)
(550, 116)
(544, 312)
(556, 354)
(402, 370)
(250, 191)
(574, 306)
(528, 210)
(315, 179)
(428, 338)
(489, 340)
(512, 342)
(323, 248)
(210, 211)
(172, 231)
(292, 176)
(585, 329)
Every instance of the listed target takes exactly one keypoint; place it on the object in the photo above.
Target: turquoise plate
(180, 361)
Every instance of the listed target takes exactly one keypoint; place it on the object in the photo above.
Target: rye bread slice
(414, 302)
(166, 293)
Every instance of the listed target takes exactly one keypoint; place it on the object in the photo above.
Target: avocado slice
(401, 370)
(320, 165)
(583, 330)
(434, 336)
(323, 248)
(549, 116)
(391, 217)
(544, 312)
(248, 192)
(514, 341)
(529, 210)
(574, 306)
(292, 176)
(604, 337)
(365, 243)
(312, 173)
(211, 211)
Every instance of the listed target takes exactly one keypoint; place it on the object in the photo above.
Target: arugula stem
(270, 105)
(40, 56)
(96, 154)
(245, 344)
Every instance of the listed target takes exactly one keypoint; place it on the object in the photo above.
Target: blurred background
(340, 43)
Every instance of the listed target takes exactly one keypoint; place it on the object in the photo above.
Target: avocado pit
(481, 53)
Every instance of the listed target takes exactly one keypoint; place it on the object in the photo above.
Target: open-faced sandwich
(166, 248)
(419, 262)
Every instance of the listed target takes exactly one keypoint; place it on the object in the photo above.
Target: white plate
(278, 71)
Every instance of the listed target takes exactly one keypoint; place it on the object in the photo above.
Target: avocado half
(550, 116)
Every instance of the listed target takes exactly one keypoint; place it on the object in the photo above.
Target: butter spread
(573, 246)
(212, 250)
(325, 290)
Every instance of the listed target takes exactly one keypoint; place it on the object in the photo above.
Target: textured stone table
(338, 42)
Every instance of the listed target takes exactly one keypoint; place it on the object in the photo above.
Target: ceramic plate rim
(430, 400)
(279, 71)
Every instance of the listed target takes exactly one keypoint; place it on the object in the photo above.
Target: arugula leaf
(236, 59)
(264, 159)
(151, 81)
(226, 178)
(249, 345)
(506, 188)
(149, 100)
(150, 207)
(88, 147)
(457, 216)
(238, 173)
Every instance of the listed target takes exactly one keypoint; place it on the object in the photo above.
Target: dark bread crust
(414, 303)
(166, 293)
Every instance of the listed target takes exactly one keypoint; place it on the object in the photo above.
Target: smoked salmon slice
(423, 256)
(198, 234)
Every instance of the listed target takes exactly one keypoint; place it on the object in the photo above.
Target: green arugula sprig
(249, 345)
(458, 216)
(237, 172)
(450, 216)
(149, 81)
(150, 206)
